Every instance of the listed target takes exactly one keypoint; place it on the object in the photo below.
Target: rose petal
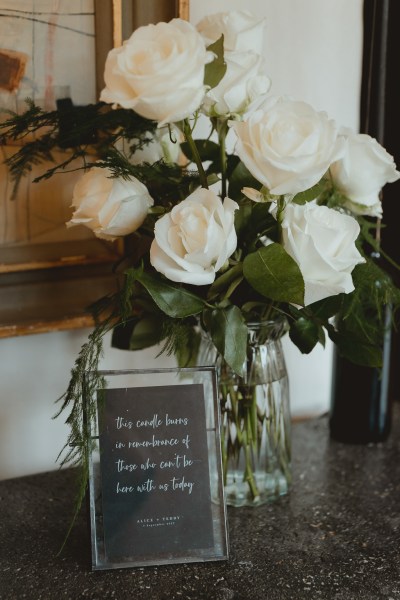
(194, 240)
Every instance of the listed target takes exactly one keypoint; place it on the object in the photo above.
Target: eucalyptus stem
(187, 131)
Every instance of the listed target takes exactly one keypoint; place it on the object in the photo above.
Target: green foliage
(310, 194)
(174, 300)
(79, 400)
(30, 154)
(362, 319)
(274, 274)
(356, 349)
(229, 334)
(225, 284)
(18, 127)
(215, 70)
(307, 325)
(206, 149)
(253, 222)
(305, 333)
(187, 354)
(168, 183)
(324, 309)
(137, 333)
(240, 178)
(82, 131)
(182, 339)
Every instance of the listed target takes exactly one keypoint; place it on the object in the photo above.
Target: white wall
(313, 52)
(34, 372)
(313, 49)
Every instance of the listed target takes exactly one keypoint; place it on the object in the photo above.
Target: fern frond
(181, 339)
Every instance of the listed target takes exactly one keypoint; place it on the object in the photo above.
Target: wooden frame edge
(183, 9)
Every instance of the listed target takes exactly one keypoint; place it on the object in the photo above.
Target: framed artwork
(50, 274)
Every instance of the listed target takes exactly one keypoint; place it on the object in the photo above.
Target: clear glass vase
(255, 418)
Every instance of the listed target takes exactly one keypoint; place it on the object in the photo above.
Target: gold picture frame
(48, 277)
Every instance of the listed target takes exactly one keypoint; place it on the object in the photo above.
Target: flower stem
(235, 412)
(224, 441)
(279, 214)
(281, 206)
(222, 130)
(244, 417)
(249, 470)
(251, 441)
(187, 131)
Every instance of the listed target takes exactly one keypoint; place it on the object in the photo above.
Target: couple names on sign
(156, 493)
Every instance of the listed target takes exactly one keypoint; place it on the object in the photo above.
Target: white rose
(322, 242)
(242, 31)
(110, 207)
(287, 145)
(242, 83)
(193, 241)
(362, 172)
(158, 72)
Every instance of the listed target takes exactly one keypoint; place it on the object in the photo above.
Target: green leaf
(215, 70)
(186, 354)
(243, 217)
(232, 163)
(212, 178)
(366, 315)
(146, 333)
(207, 150)
(137, 334)
(229, 334)
(121, 335)
(305, 334)
(223, 282)
(253, 220)
(360, 352)
(310, 194)
(240, 178)
(321, 335)
(174, 300)
(274, 274)
(326, 308)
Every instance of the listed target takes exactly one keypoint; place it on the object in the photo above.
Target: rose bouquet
(236, 206)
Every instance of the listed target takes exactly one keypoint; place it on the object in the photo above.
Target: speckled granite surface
(336, 536)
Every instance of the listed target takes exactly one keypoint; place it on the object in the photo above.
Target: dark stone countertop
(336, 536)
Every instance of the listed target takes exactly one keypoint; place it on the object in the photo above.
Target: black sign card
(155, 479)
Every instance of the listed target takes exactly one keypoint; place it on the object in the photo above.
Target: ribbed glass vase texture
(255, 418)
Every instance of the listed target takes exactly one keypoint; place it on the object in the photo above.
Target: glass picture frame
(156, 491)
